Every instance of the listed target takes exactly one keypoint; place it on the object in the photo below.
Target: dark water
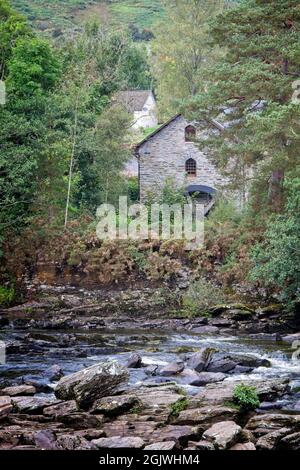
(74, 350)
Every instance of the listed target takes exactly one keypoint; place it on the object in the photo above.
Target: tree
(33, 67)
(254, 82)
(181, 50)
(276, 260)
(12, 27)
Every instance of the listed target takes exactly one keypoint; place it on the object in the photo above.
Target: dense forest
(64, 141)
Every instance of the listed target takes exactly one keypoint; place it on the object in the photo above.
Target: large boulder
(88, 385)
(173, 368)
(223, 435)
(221, 365)
(134, 361)
(199, 360)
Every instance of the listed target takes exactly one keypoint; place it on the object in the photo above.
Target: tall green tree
(254, 81)
(12, 27)
(182, 50)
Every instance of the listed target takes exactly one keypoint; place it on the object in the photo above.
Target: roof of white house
(133, 100)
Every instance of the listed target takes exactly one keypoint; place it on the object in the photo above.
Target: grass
(54, 14)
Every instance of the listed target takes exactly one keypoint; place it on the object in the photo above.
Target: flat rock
(206, 329)
(18, 390)
(243, 446)
(223, 435)
(5, 406)
(61, 409)
(204, 417)
(205, 378)
(167, 445)
(81, 420)
(32, 404)
(204, 445)
(266, 423)
(119, 442)
(269, 441)
(114, 406)
(214, 394)
(291, 442)
(88, 385)
(173, 432)
(291, 338)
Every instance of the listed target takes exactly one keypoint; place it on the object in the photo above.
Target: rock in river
(173, 368)
(199, 360)
(88, 385)
(134, 361)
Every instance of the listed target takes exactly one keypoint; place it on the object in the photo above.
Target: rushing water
(74, 350)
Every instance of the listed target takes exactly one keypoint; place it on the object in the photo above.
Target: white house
(142, 105)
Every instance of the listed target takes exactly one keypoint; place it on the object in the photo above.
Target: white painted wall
(148, 116)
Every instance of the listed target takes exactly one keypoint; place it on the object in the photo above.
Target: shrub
(200, 297)
(246, 397)
(7, 295)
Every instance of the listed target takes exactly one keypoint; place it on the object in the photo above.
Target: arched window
(191, 167)
(190, 133)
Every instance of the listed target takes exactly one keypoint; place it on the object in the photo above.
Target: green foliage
(59, 15)
(33, 67)
(7, 295)
(133, 189)
(246, 397)
(12, 27)
(254, 80)
(200, 297)
(177, 407)
(182, 51)
(276, 260)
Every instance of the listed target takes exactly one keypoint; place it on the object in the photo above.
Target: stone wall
(164, 155)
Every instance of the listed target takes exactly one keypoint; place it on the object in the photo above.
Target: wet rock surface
(123, 379)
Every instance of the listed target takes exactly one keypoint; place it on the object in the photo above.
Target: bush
(200, 297)
(246, 397)
(7, 295)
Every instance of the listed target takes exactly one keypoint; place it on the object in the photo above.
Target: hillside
(69, 14)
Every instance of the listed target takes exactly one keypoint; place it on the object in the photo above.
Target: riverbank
(177, 375)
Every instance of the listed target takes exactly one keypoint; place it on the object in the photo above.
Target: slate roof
(133, 100)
